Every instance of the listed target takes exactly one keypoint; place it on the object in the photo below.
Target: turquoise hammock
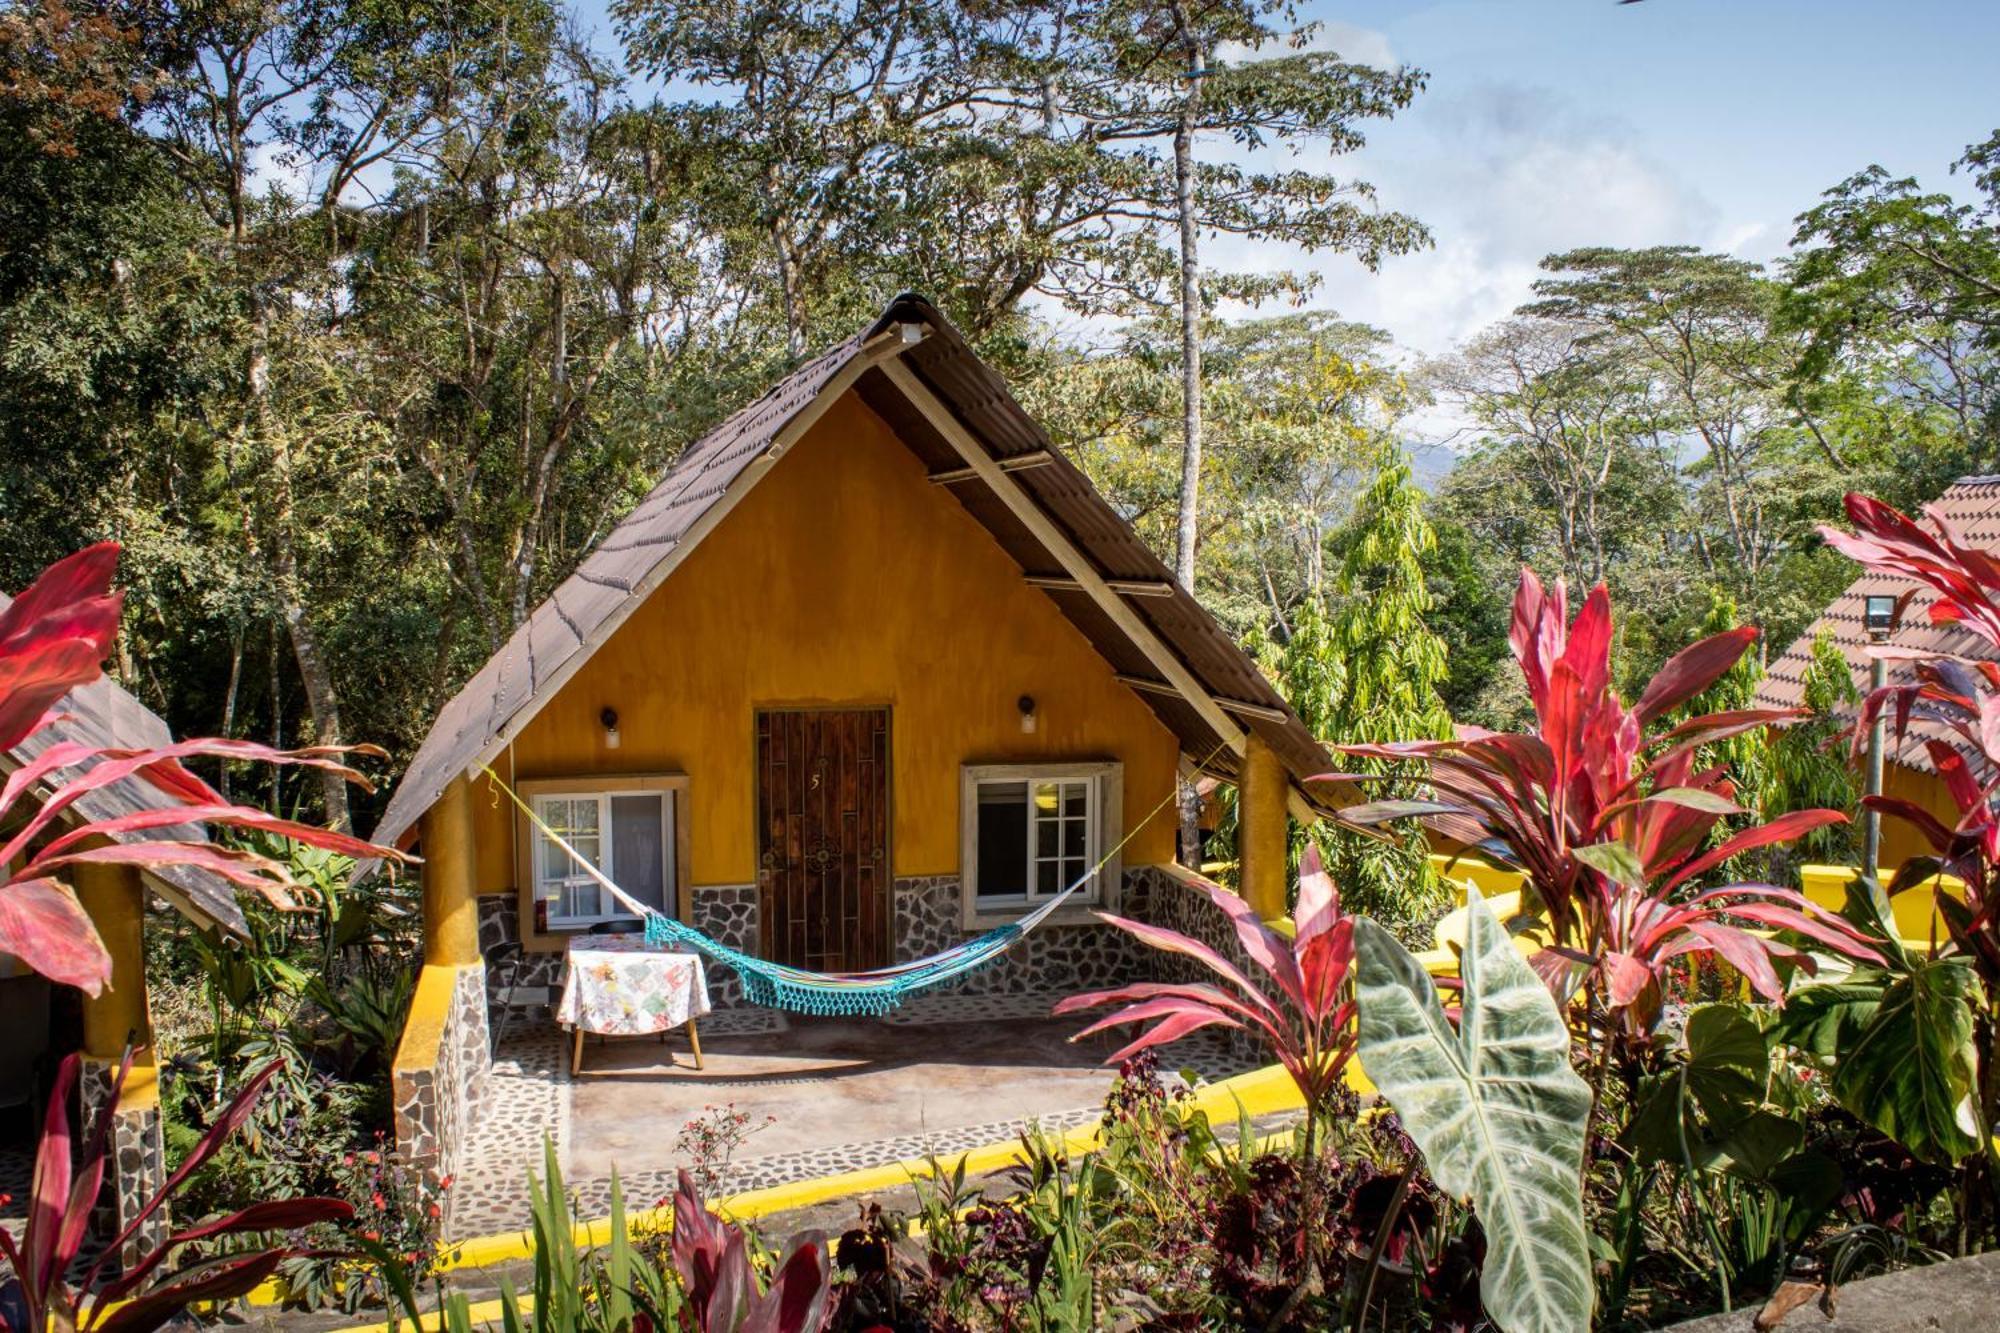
(776, 986)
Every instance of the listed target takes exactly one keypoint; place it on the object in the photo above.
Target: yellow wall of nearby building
(844, 578)
(1900, 842)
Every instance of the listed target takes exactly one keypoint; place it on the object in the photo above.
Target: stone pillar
(441, 1067)
(1261, 828)
(115, 898)
(450, 878)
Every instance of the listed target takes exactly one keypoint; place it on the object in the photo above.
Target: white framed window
(628, 829)
(1032, 830)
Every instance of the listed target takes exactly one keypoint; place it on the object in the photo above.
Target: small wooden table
(615, 986)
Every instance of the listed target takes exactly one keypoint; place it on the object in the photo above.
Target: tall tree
(1373, 671)
(1903, 287)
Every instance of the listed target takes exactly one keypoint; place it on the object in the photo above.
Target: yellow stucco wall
(1900, 841)
(844, 578)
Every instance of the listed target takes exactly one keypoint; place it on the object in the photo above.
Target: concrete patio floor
(823, 1095)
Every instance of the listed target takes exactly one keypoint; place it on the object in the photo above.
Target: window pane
(1045, 877)
(638, 847)
(1046, 796)
(1047, 830)
(1002, 839)
(1073, 830)
(1076, 799)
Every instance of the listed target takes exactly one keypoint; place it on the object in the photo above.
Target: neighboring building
(1972, 507)
(45, 1021)
(872, 668)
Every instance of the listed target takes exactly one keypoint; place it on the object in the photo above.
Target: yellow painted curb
(1261, 1092)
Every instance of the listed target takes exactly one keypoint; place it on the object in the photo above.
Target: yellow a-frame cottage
(873, 667)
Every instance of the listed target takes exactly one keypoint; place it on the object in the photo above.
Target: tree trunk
(1190, 506)
(788, 269)
(229, 704)
(322, 701)
(1190, 324)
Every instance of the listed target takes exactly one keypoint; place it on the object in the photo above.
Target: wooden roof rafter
(1085, 574)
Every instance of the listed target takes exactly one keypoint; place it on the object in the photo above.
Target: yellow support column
(451, 911)
(1261, 829)
(115, 897)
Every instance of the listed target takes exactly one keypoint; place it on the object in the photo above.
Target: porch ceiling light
(609, 717)
(1026, 703)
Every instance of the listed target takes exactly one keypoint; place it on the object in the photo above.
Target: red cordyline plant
(712, 1258)
(1612, 823)
(53, 638)
(1957, 699)
(1304, 1011)
(184, 1269)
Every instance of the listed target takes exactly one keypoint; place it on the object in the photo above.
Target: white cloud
(1350, 41)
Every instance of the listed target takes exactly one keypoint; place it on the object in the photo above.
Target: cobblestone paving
(529, 1095)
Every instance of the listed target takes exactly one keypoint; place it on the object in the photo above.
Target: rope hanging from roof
(778, 986)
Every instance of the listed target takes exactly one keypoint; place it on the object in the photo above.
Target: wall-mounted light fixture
(1026, 703)
(1880, 616)
(609, 717)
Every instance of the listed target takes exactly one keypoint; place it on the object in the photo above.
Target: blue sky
(1555, 123)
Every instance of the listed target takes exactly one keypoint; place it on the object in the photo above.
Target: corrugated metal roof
(1972, 506)
(101, 714)
(620, 572)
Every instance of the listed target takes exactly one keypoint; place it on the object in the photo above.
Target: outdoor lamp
(609, 717)
(1026, 703)
(1880, 616)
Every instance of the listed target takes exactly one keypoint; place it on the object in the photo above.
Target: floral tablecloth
(614, 985)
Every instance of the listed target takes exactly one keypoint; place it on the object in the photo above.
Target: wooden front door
(823, 837)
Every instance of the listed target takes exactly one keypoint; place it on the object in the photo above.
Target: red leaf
(1148, 1010)
(222, 1280)
(1199, 992)
(1159, 937)
(1785, 828)
(1318, 907)
(1160, 1034)
(1933, 830)
(1626, 978)
(1841, 941)
(42, 923)
(796, 1302)
(1745, 952)
(1692, 670)
(1264, 946)
(233, 816)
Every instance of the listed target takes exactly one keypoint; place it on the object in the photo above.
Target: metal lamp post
(1880, 618)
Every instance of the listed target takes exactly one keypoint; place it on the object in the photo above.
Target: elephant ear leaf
(1496, 1109)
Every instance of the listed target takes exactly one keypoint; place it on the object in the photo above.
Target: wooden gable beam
(983, 466)
(1123, 587)
(1058, 544)
(1242, 707)
(1038, 458)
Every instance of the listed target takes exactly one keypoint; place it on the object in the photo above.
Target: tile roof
(1972, 506)
(102, 714)
(625, 567)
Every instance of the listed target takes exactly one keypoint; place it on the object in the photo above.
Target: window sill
(994, 915)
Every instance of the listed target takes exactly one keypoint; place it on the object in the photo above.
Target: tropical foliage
(54, 1284)
(54, 638)
(1611, 817)
(1492, 1103)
